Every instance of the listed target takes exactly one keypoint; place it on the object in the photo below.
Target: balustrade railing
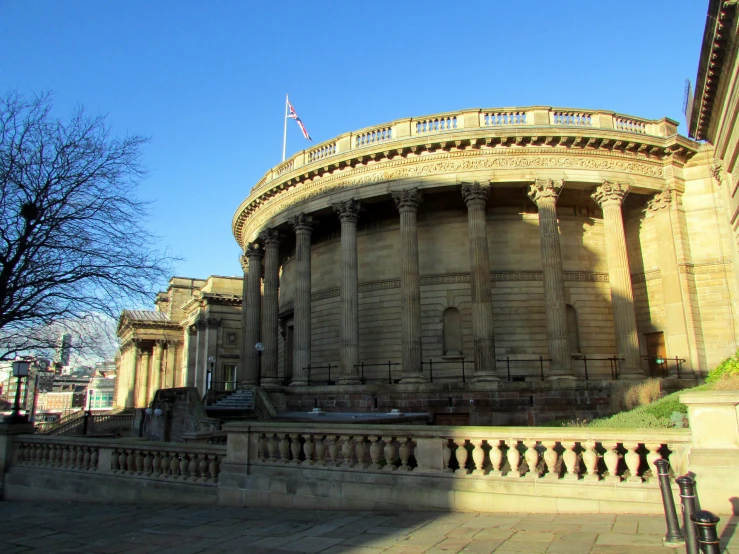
(581, 119)
(435, 124)
(630, 125)
(373, 137)
(323, 151)
(177, 462)
(567, 454)
(504, 118)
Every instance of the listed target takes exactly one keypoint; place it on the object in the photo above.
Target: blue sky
(207, 80)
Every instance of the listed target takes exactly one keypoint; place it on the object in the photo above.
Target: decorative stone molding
(254, 251)
(348, 210)
(659, 202)
(302, 223)
(717, 171)
(407, 200)
(475, 194)
(244, 262)
(269, 236)
(545, 191)
(610, 193)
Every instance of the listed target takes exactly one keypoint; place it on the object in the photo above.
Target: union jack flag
(292, 115)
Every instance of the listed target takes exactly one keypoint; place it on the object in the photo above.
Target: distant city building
(63, 350)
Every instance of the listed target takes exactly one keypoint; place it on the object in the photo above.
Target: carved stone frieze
(660, 202)
(610, 193)
(545, 191)
(717, 171)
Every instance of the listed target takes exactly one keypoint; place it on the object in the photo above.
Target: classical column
(132, 362)
(407, 202)
(677, 337)
(211, 350)
(170, 369)
(156, 372)
(349, 292)
(254, 254)
(544, 193)
(475, 196)
(303, 225)
(241, 371)
(142, 394)
(610, 196)
(189, 366)
(270, 318)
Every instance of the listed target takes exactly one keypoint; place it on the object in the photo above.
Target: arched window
(573, 336)
(452, 329)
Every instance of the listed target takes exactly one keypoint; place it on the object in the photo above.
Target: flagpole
(284, 133)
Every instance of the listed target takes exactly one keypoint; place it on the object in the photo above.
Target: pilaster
(610, 196)
(303, 225)
(544, 193)
(348, 212)
(475, 196)
(407, 201)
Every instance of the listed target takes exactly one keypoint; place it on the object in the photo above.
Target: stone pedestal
(475, 196)
(254, 255)
(544, 193)
(407, 202)
(270, 318)
(301, 338)
(610, 196)
(349, 293)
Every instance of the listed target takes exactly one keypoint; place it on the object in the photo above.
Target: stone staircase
(241, 401)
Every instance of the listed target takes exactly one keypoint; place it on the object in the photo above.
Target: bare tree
(72, 241)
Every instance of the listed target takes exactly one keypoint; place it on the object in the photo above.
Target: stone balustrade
(195, 463)
(609, 456)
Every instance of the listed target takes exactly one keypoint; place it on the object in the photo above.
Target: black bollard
(687, 500)
(673, 536)
(705, 525)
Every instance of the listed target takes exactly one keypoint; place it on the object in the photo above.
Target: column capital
(660, 202)
(610, 193)
(270, 237)
(254, 250)
(475, 194)
(302, 223)
(545, 191)
(159, 343)
(244, 261)
(211, 322)
(348, 210)
(407, 200)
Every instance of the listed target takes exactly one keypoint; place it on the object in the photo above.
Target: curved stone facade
(493, 236)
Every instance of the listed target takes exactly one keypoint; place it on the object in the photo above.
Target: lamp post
(20, 369)
(211, 368)
(259, 347)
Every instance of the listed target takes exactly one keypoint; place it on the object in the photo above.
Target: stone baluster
(308, 449)
(184, 467)
(532, 459)
(611, 460)
(404, 451)
(407, 202)
(590, 460)
(122, 460)
(375, 451)
(94, 457)
(115, 464)
(349, 293)
(632, 462)
(389, 451)
(478, 456)
(550, 459)
(165, 465)
(514, 459)
(174, 466)
(139, 462)
(301, 336)
(653, 455)
(295, 448)
(203, 467)
(214, 468)
(333, 450)
(262, 452)
(83, 457)
(569, 458)
(360, 449)
(284, 447)
(254, 254)
(475, 196)
(148, 463)
(270, 318)
(130, 460)
(446, 455)
(461, 455)
(496, 458)
(192, 468)
(347, 448)
(609, 197)
(156, 464)
(320, 451)
(272, 447)
(544, 193)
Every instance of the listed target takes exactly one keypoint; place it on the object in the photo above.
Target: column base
(298, 383)
(348, 381)
(270, 384)
(412, 379)
(485, 377)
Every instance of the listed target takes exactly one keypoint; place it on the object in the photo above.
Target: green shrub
(637, 418)
(728, 368)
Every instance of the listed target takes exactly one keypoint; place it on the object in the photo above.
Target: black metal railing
(660, 366)
(508, 361)
(459, 363)
(612, 361)
(389, 365)
(316, 374)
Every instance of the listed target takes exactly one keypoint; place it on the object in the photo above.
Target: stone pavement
(66, 528)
